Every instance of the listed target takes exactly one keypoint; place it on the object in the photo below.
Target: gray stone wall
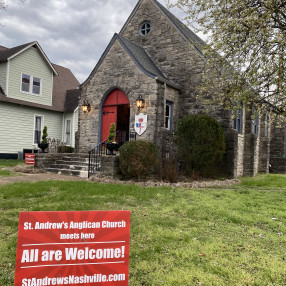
(117, 71)
(264, 147)
(278, 148)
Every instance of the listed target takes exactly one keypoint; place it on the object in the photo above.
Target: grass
(8, 163)
(178, 236)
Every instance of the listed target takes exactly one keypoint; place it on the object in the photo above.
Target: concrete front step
(66, 162)
(70, 167)
(79, 173)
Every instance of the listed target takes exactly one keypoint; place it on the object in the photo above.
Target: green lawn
(8, 163)
(234, 236)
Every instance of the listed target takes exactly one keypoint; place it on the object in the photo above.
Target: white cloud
(73, 33)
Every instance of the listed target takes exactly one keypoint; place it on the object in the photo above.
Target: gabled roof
(7, 54)
(187, 33)
(3, 48)
(62, 83)
(140, 57)
(65, 93)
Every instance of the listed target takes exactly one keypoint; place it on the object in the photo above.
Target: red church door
(116, 109)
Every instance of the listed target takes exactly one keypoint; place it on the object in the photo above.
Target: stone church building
(155, 57)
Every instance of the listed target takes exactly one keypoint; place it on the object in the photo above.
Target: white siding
(17, 126)
(3, 70)
(30, 62)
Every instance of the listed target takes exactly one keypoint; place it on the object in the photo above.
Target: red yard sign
(29, 159)
(73, 248)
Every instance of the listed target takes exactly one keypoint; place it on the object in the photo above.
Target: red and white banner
(73, 248)
(29, 159)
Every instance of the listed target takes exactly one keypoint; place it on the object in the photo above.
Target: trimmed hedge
(138, 158)
(200, 140)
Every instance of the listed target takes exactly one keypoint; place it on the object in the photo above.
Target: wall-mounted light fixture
(86, 106)
(140, 103)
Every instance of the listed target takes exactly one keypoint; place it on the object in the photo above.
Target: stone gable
(117, 70)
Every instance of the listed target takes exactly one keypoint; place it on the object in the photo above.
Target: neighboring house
(158, 58)
(34, 93)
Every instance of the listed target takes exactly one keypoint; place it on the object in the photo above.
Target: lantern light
(86, 106)
(140, 102)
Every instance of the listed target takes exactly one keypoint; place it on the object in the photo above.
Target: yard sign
(29, 159)
(73, 248)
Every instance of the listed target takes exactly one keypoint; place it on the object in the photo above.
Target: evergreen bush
(200, 140)
(138, 158)
(112, 134)
(45, 135)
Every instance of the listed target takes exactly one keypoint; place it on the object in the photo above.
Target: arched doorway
(116, 109)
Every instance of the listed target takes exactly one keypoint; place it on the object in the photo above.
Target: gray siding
(30, 62)
(17, 126)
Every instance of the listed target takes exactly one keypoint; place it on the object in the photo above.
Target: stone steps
(78, 173)
(73, 165)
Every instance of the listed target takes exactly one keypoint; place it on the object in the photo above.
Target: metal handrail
(95, 154)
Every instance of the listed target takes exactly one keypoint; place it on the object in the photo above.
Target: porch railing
(95, 154)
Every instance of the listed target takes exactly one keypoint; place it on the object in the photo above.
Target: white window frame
(70, 134)
(31, 84)
(169, 118)
(41, 128)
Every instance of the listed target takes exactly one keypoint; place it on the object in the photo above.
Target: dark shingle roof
(71, 101)
(7, 53)
(62, 83)
(2, 48)
(142, 57)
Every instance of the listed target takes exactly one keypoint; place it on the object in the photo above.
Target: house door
(116, 109)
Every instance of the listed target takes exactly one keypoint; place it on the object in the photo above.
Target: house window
(68, 132)
(237, 121)
(168, 115)
(145, 28)
(38, 129)
(36, 85)
(26, 82)
(31, 84)
(255, 126)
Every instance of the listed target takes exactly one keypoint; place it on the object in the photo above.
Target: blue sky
(73, 33)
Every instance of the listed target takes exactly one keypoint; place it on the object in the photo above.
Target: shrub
(170, 170)
(45, 135)
(138, 158)
(65, 149)
(112, 134)
(200, 140)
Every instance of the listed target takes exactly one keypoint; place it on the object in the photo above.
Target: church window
(255, 125)
(145, 28)
(168, 115)
(237, 121)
